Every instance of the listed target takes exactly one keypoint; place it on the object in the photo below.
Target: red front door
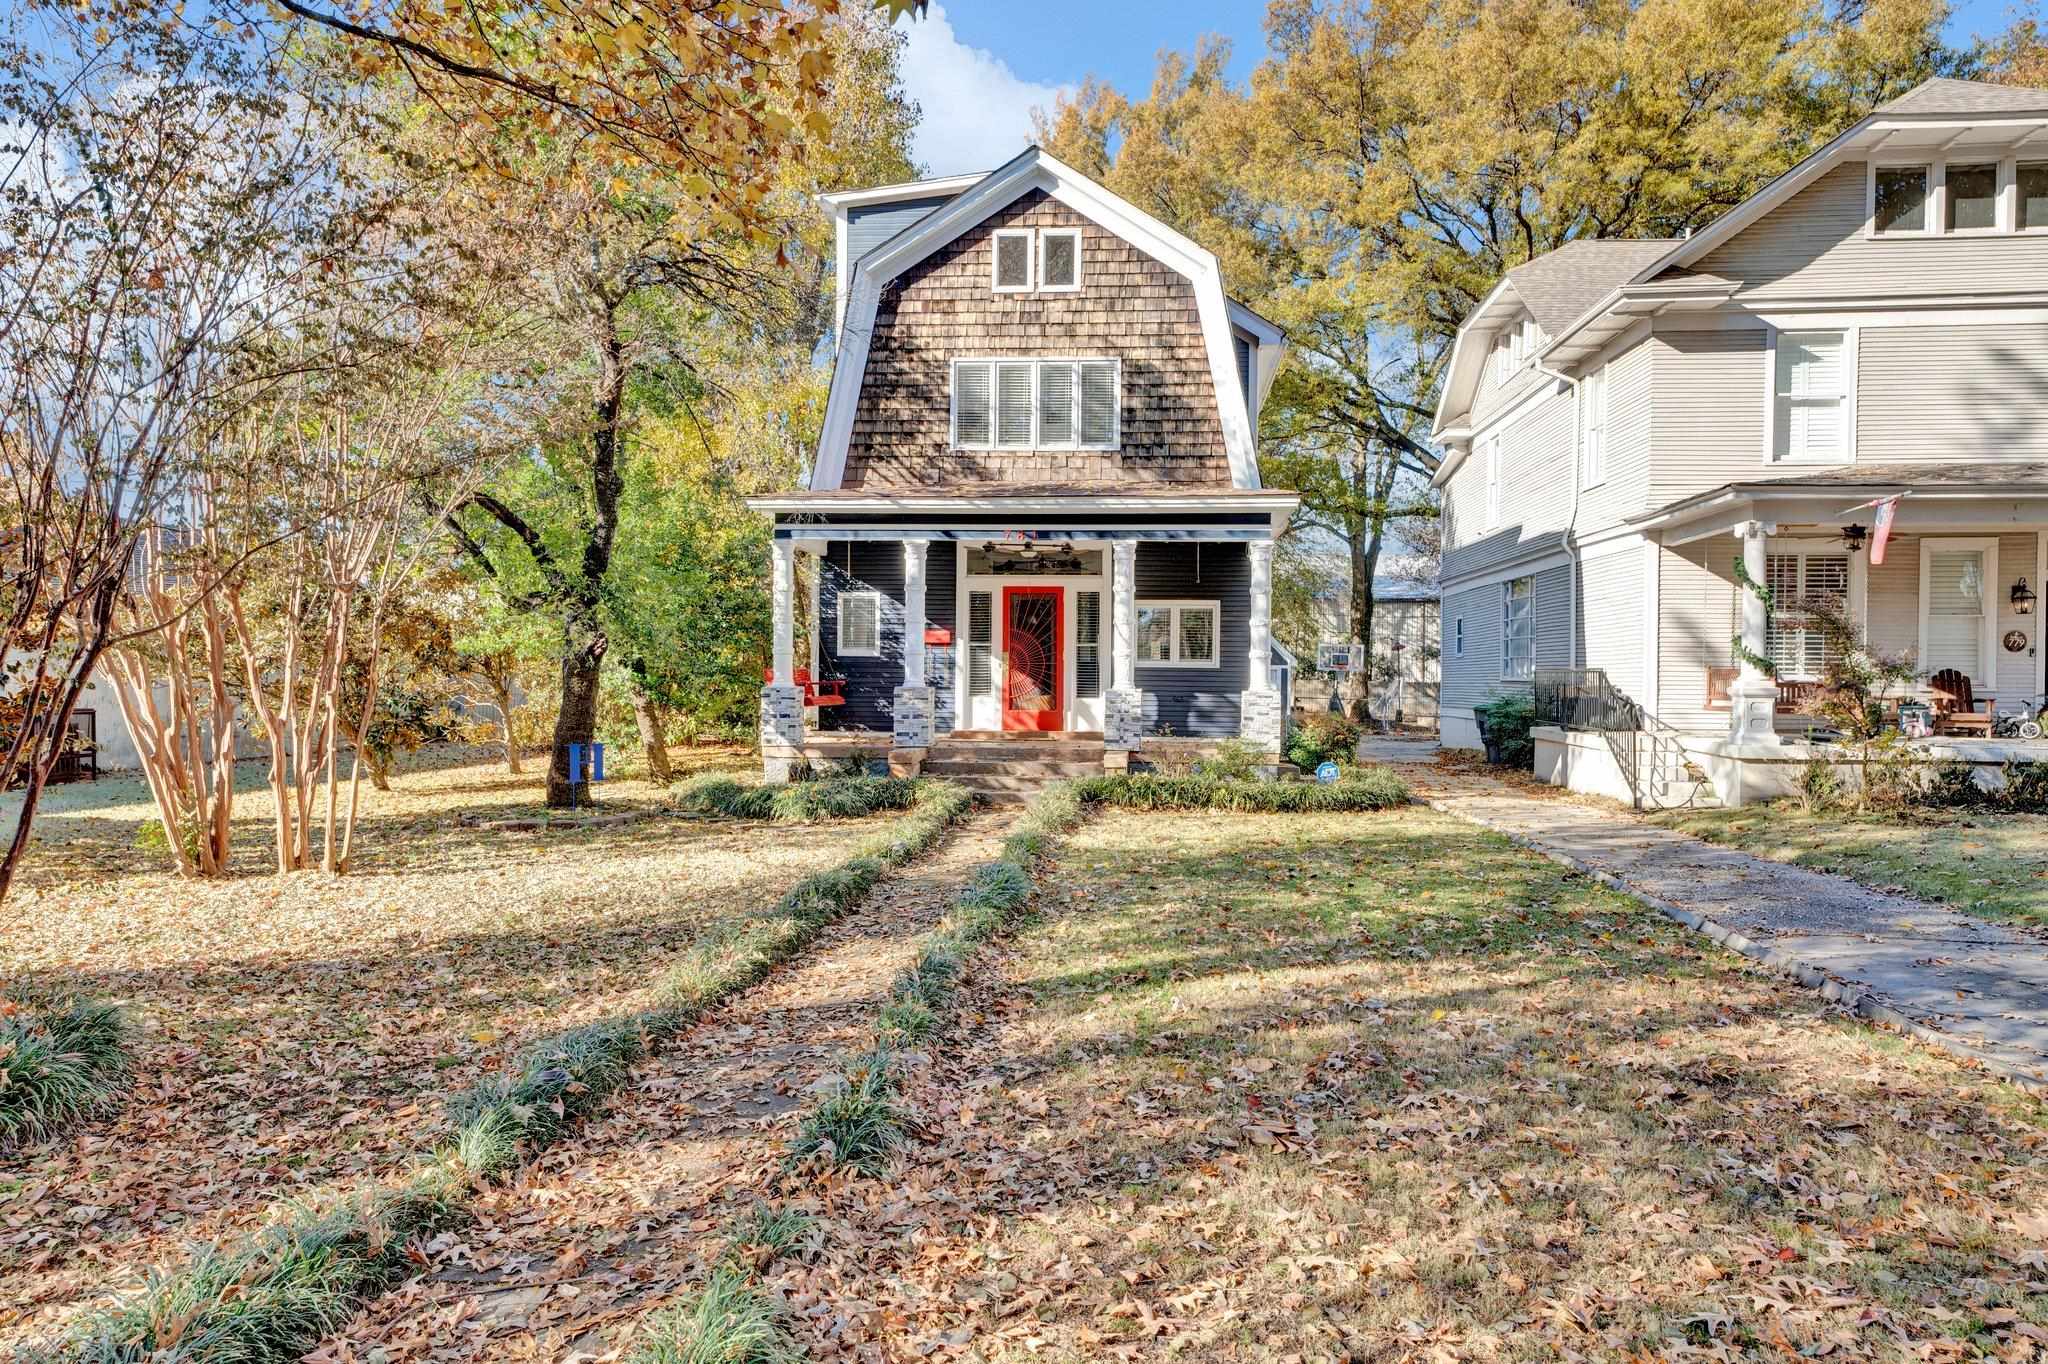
(1033, 625)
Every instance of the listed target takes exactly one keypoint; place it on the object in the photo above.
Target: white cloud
(977, 111)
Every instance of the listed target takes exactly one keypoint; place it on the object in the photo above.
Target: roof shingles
(1559, 286)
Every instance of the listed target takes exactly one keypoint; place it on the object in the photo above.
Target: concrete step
(1008, 767)
(1055, 750)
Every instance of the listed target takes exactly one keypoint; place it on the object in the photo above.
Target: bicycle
(2025, 723)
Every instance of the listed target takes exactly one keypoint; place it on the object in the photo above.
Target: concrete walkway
(1972, 987)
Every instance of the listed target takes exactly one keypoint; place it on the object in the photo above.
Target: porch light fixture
(1853, 537)
(2022, 598)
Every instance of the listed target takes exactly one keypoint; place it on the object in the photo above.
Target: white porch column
(782, 705)
(1123, 705)
(1753, 702)
(1259, 719)
(914, 702)
(784, 588)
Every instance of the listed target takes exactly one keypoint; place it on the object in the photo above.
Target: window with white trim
(1036, 404)
(1797, 647)
(1970, 197)
(1518, 630)
(1179, 634)
(1458, 637)
(1810, 391)
(1010, 268)
(1593, 428)
(860, 624)
(1492, 482)
(1901, 199)
(981, 644)
(2030, 189)
(1958, 607)
(1059, 259)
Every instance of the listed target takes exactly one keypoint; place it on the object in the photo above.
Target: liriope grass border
(63, 1058)
(797, 802)
(1372, 788)
(860, 1122)
(273, 1296)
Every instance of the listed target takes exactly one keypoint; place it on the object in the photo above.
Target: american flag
(1887, 508)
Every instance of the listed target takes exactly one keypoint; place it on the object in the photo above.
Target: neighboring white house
(1405, 632)
(1625, 420)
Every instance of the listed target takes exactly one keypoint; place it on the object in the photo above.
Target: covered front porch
(1069, 620)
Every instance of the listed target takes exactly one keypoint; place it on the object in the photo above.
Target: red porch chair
(823, 691)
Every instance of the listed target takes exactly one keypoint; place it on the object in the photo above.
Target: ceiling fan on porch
(1030, 557)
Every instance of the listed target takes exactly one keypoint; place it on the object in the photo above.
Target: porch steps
(1009, 771)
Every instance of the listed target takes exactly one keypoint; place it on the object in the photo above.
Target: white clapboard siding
(1707, 416)
(1696, 595)
(1535, 494)
(1814, 246)
(1931, 394)
(1626, 490)
(1612, 636)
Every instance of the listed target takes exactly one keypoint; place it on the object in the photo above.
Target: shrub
(1372, 788)
(1322, 736)
(798, 802)
(1508, 719)
(1232, 760)
(1820, 787)
(1952, 785)
(860, 1123)
(729, 1321)
(62, 1058)
(2026, 787)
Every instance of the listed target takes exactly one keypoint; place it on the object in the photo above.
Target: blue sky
(980, 66)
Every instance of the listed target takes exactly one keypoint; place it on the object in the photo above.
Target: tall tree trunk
(653, 738)
(582, 660)
(501, 696)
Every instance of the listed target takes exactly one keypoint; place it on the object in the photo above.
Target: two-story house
(1631, 428)
(1035, 508)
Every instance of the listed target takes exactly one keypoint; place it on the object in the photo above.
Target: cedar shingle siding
(1130, 307)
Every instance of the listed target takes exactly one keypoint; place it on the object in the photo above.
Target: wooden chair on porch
(1955, 705)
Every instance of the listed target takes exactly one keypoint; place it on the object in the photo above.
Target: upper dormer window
(1046, 260)
(1973, 198)
(1962, 197)
(2031, 187)
(1902, 193)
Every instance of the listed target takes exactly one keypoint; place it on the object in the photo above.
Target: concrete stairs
(1009, 770)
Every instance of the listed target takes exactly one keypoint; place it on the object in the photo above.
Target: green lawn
(1291, 1088)
(1992, 865)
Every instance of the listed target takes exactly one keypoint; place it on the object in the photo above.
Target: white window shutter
(971, 404)
(1013, 405)
(1055, 403)
(1101, 402)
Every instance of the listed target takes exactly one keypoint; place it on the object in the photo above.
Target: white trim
(1930, 205)
(840, 647)
(2014, 216)
(1493, 484)
(1469, 438)
(1653, 625)
(1034, 169)
(1936, 161)
(1045, 288)
(1589, 449)
(1851, 342)
(1986, 674)
(906, 189)
(1175, 607)
(995, 260)
(1282, 503)
(1458, 651)
(1500, 573)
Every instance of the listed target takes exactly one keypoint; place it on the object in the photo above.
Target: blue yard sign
(1326, 772)
(586, 764)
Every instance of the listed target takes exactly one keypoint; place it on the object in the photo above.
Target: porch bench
(1721, 685)
(823, 691)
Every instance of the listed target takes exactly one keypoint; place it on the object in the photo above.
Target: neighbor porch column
(782, 704)
(1123, 706)
(1260, 722)
(1753, 702)
(913, 711)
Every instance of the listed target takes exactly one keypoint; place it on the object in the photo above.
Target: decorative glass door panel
(1032, 631)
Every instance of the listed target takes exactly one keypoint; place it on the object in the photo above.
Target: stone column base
(1123, 719)
(1116, 760)
(907, 762)
(1752, 712)
(913, 718)
(1260, 720)
(782, 733)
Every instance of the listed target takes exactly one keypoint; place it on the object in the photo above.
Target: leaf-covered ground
(1990, 864)
(299, 1033)
(1287, 1088)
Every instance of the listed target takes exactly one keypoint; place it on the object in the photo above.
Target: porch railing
(1582, 698)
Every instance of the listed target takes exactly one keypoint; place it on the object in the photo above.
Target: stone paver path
(1973, 987)
(612, 1222)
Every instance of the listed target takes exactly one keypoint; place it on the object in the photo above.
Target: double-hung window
(860, 624)
(1178, 634)
(1036, 404)
(1593, 429)
(1794, 642)
(1810, 393)
(1518, 630)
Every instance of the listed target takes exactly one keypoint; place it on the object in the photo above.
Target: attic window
(1059, 258)
(1900, 197)
(2033, 195)
(1012, 261)
(1973, 198)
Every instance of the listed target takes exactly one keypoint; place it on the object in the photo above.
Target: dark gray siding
(1198, 702)
(867, 228)
(877, 566)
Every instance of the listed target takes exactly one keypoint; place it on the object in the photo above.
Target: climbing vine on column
(1743, 653)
